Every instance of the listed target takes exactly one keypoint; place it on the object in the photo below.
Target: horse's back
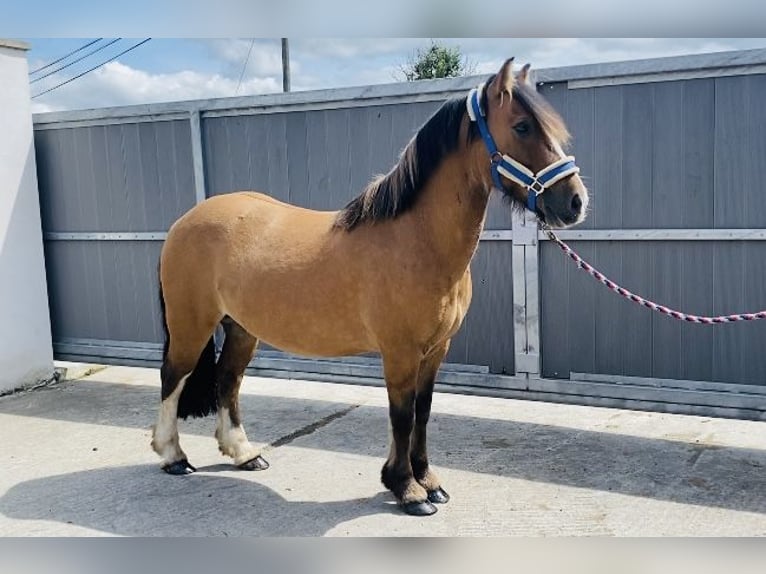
(279, 270)
(235, 220)
(249, 208)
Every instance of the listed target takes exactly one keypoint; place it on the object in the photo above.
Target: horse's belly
(303, 324)
(314, 346)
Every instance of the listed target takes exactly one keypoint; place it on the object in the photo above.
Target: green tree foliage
(436, 61)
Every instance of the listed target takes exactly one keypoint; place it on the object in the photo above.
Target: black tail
(199, 397)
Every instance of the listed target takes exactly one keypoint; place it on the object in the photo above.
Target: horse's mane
(388, 196)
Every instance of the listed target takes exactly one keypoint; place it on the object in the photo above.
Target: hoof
(258, 463)
(179, 467)
(423, 508)
(438, 496)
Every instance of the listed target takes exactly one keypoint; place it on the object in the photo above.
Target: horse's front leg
(423, 473)
(401, 382)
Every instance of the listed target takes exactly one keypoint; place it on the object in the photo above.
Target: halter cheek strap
(505, 165)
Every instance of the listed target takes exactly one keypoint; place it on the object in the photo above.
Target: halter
(502, 164)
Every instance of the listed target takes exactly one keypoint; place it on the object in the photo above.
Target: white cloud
(39, 108)
(354, 47)
(357, 62)
(117, 84)
(265, 57)
(488, 55)
(330, 63)
(338, 62)
(554, 52)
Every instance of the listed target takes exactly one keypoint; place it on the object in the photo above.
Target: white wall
(26, 354)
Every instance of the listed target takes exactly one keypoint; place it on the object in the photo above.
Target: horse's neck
(452, 211)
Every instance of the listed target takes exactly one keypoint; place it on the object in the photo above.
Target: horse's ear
(503, 82)
(523, 76)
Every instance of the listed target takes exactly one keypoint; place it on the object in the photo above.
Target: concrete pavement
(75, 460)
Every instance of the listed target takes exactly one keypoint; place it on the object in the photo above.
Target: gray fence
(673, 151)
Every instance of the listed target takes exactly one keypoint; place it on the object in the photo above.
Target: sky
(167, 69)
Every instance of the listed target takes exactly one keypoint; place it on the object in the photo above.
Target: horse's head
(529, 163)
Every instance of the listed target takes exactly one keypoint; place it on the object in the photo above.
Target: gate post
(198, 159)
(526, 295)
(200, 191)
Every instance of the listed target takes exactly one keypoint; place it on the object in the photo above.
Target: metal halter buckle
(537, 187)
(496, 158)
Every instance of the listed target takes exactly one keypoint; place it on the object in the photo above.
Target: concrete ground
(76, 460)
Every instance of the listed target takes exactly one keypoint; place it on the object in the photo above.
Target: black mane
(390, 195)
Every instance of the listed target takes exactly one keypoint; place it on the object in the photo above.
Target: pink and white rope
(601, 278)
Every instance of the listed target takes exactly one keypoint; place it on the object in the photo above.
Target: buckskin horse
(388, 273)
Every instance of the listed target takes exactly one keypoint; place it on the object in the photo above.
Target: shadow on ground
(668, 470)
(142, 501)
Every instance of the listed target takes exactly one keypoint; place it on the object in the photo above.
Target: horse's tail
(199, 396)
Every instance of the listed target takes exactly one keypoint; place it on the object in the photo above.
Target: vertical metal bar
(285, 65)
(528, 222)
(526, 295)
(198, 161)
(519, 299)
(200, 194)
(532, 284)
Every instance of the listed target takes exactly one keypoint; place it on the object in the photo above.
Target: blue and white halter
(501, 164)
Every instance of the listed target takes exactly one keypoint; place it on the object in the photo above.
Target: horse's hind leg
(418, 451)
(397, 473)
(190, 355)
(238, 349)
(165, 440)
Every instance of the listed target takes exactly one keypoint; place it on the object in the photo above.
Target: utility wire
(244, 66)
(91, 69)
(73, 62)
(54, 62)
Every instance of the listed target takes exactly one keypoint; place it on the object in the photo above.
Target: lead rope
(601, 278)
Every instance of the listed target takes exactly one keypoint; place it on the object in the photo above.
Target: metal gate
(673, 151)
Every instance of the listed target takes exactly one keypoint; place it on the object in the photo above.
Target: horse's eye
(522, 128)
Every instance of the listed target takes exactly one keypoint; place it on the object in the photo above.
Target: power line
(73, 62)
(91, 69)
(244, 66)
(64, 57)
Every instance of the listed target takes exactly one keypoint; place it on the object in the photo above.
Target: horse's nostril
(576, 203)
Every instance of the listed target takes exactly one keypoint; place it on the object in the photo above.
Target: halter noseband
(502, 164)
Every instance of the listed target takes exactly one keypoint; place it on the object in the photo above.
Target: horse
(388, 273)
